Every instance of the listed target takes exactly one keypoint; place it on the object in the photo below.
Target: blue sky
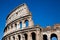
(44, 12)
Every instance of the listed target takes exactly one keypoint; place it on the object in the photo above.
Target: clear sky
(44, 12)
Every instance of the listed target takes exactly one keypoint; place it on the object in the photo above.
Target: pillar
(23, 24)
(48, 37)
(58, 36)
(10, 28)
(21, 37)
(6, 31)
(11, 37)
(29, 36)
(14, 27)
(18, 25)
(38, 37)
(30, 22)
(41, 36)
(16, 37)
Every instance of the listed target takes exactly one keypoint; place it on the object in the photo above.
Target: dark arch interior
(20, 24)
(19, 37)
(54, 36)
(40, 29)
(25, 36)
(33, 36)
(27, 23)
(13, 38)
(11, 26)
(44, 37)
(15, 25)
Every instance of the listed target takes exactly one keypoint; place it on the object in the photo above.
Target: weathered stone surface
(18, 18)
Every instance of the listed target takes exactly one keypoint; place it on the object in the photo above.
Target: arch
(40, 29)
(19, 37)
(13, 38)
(8, 27)
(15, 25)
(33, 36)
(27, 23)
(54, 37)
(11, 26)
(26, 36)
(20, 24)
(44, 37)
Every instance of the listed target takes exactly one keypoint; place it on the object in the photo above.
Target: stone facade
(17, 28)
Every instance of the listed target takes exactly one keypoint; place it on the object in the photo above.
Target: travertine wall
(51, 32)
(21, 14)
(32, 31)
(18, 12)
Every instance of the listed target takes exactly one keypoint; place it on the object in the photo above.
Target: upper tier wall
(20, 11)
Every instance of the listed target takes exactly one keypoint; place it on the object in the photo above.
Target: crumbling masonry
(20, 26)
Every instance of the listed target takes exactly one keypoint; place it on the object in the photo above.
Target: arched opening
(33, 36)
(19, 37)
(40, 29)
(54, 37)
(25, 35)
(44, 37)
(20, 24)
(27, 23)
(11, 26)
(16, 25)
(13, 38)
(8, 27)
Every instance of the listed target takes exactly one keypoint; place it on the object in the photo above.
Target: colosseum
(20, 26)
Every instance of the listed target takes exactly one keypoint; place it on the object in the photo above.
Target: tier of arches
(21, 37)
(18, 25)
(53, 36)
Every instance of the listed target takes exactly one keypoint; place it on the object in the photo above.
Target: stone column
(48, 37)
(41, 36)
(16, 37)
(58, 36)
(18, 25)
(23, 24)
(29, 36)
(10, 28)
(38, 35)
(11, 37)
(30, 22)
(7, 31)
(21, 37)
(14, 27)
